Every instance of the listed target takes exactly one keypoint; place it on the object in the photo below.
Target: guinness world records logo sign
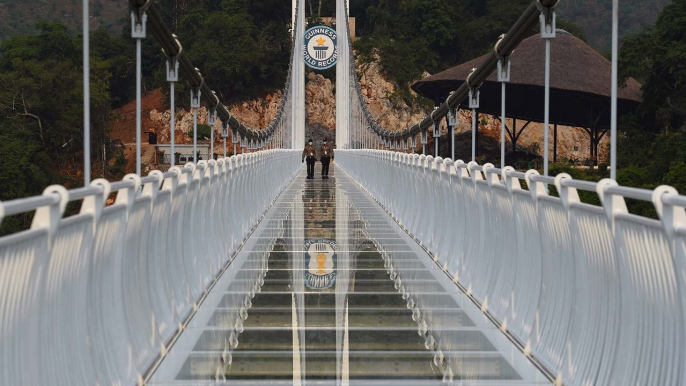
(320, 50)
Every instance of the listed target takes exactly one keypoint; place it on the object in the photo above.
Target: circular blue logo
(320, 50)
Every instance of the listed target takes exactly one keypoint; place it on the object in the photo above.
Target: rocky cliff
(573, 143)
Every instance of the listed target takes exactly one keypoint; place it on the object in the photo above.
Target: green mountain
(19, 17)
(595, 17)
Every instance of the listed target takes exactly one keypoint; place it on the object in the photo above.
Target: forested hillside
(595, 17)
(243, 49)
(19, 17)
(652, 147)
(411, 37)
(414, 36)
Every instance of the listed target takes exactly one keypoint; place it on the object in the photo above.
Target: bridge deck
(327, 309)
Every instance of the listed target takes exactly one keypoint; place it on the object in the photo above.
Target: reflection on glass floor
(312, 299)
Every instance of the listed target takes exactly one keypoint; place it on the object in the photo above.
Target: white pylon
(298, 79)
(342, 77)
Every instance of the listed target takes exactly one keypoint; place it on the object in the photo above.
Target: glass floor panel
(330, 291)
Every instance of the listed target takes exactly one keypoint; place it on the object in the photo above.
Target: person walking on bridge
(310, 153)
(326, 158)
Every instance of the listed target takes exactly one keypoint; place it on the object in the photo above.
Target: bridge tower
(342, 76)
(298, 77)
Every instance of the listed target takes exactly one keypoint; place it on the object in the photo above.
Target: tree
(241, 47)
(41, 98)
(652, 147)
(25, 171)
(204, 131)
(656, 56)
(416, 36)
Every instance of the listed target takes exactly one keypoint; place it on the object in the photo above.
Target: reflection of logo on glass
(321, 263)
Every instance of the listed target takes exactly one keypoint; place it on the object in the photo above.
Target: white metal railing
(96, 297)
(593, 293)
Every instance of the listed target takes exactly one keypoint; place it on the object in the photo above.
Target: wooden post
(555, 142)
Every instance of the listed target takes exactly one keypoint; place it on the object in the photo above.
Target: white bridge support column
(295, 8)
(298, 78)
(342, 77)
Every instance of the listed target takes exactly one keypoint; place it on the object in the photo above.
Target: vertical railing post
(613, 101)
(436, 133)
(424, 139)
(503, 78)
(212, 121)
(172, 78)
(278, 136)
(138, 31)
(548, 25)
(195, 105)
(86, 97)
(452, 123)
(225, 134)
(474, 94)
(234, 140)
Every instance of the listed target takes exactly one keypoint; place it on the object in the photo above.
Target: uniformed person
(310, 153)
(326, 157)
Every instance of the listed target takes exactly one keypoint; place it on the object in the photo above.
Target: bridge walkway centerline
(330, 290)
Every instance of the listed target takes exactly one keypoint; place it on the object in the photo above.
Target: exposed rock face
(376, 89)
(183, 124)
(320, 104)
(258, 113)
(573, 143)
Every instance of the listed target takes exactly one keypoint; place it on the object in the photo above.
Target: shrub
(204, 131)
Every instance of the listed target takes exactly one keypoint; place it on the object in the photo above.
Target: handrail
(121, 185)
(109, 289)
(23, 205)
(574, 286)
(81, 193)
(627, 192)
(674, 200)
(543, 179)
(579, 184)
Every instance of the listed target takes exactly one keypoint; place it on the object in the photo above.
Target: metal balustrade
(594, 294)
(97, 297)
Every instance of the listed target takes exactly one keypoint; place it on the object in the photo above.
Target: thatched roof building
(580, 80)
